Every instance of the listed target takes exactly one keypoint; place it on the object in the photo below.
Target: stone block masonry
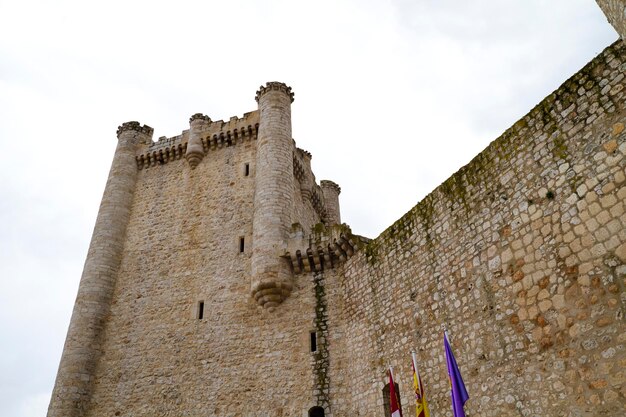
(273, 199)
(219, 281)
(331, 192)
(521, 255)
(181, 222)
(83, 346)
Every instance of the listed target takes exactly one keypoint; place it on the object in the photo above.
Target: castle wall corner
(83, 345)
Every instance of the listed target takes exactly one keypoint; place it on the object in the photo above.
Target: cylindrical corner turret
(195, 150)
(273, 199)
(84, 337)
(331, 192)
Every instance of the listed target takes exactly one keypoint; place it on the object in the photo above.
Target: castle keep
(221, 281)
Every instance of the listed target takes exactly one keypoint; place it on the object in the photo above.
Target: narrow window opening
(313, 342)
(246, 170)
(242, 245)
(200, 310)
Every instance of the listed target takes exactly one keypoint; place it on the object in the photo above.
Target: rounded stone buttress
(272, 279)
(83, 343)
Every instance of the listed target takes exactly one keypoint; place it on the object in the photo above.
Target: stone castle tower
(220, 280)
(191, 240)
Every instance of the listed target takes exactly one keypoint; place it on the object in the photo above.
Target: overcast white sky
(391, 98)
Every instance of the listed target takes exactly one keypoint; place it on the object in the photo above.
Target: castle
(220, 280)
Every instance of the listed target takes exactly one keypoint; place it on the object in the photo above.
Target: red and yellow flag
(421, 406)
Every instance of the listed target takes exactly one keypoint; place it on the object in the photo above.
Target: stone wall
(521, 255)
(181, 246)
(84, 342)
(615, 11)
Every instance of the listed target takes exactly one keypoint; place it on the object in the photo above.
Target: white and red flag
(394, 404)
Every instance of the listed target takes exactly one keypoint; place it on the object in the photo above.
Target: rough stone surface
(615, 11)
(273, 196)
(84, 343)
(520, 255)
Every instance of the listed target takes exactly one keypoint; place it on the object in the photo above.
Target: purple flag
(459, 393)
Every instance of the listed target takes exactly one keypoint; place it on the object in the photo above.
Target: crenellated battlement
(330, 184)
(317, 200)
(298, 165)
(310, 190)
(324, 248)
(215, 135)
(274, 86)
(200, 116)
(135, 126)
(304, 154)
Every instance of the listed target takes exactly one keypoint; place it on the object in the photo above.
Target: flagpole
(414, 357)
(458, 392)
(418, 378)
(421, 405)
(417, 372)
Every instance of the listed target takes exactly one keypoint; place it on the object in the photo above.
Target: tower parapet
(331, 192)
(272, 280)
(145, 132)
(323, 249)
(84, 338)
(213, 136)
(302, 160)
(274, 86)
(311, 192)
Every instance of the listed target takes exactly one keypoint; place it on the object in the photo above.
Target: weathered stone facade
(521, 255)
(84, 342)
(615, 11)
(220, 282)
